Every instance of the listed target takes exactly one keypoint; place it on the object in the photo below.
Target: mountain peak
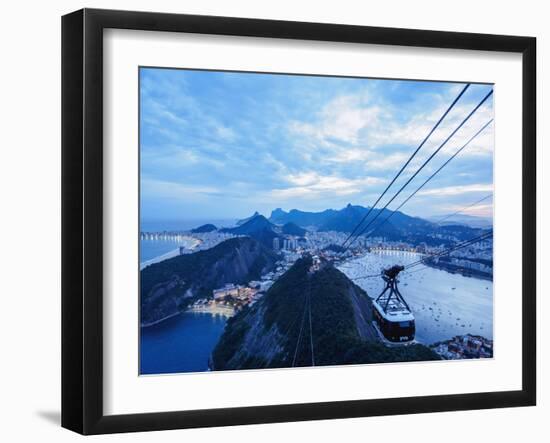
(257, 227)
(291, 228)
(244, 220)
(209, 227)
(254, 223)
(263, 336)
(167, 287)
(277, 212)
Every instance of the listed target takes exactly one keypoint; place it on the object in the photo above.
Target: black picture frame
(82, 215)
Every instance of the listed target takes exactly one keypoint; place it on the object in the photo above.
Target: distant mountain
(266, 335)
(459, 232)
(464, 219)
(204, 228)
(301, 218)
(346, 219)
(349, 217)
(259, 228)
(244, 220)
(400, 227)
(167, 287)
(253, 224)
(293, 229)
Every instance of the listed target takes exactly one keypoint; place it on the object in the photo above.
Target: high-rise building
(276, 243)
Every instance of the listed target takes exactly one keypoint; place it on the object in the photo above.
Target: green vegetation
(375, 352)
(284, 301)
(293, 229)
(257, 227)
(333, 316)
(230, 343)
(336, 339)
(169, 286)
(190, 266)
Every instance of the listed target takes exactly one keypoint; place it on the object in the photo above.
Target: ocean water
(180, 344)
(150, 249)
(444, 304)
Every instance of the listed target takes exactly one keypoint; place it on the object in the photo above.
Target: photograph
(307, 220)
(261, 222)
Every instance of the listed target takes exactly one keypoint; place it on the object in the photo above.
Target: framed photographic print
(269, 221)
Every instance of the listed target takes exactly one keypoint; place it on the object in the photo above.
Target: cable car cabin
(396, 323)
(391, 312)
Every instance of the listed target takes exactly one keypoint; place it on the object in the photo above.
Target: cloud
(341, 120)
(351, 128)
(226, 133)
(457, 190)
(481, 210)
(181, 117)
(178, 157)
(173, 190)
(249, 140)
(312, 185)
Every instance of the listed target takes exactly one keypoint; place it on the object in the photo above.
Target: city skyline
(220, 145)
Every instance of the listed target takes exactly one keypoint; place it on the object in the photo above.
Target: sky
(221, 145)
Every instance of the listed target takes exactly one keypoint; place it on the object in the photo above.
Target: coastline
(218, 310)
(447, 267)
(453, 293)
(171, 254)
(156, 322)
(471, 273)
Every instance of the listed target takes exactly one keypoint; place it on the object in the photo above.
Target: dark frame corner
(82, 152)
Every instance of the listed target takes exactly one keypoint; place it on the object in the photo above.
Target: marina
(444, 305)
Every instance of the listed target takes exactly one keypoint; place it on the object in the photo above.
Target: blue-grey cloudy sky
(218, 145)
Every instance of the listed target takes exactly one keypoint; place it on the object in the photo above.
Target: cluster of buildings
(226, 300)
(397, 246)
(482, 250)
(164, 235)
(238, 296)
(215, 307)
(464, 347)
(207, 240)
(231, 297)
(191, 242)
(469, 264)
(320, 240)
(316, 263)
(283, 265)
(476, 259)
(323, 246)
(285, 244)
